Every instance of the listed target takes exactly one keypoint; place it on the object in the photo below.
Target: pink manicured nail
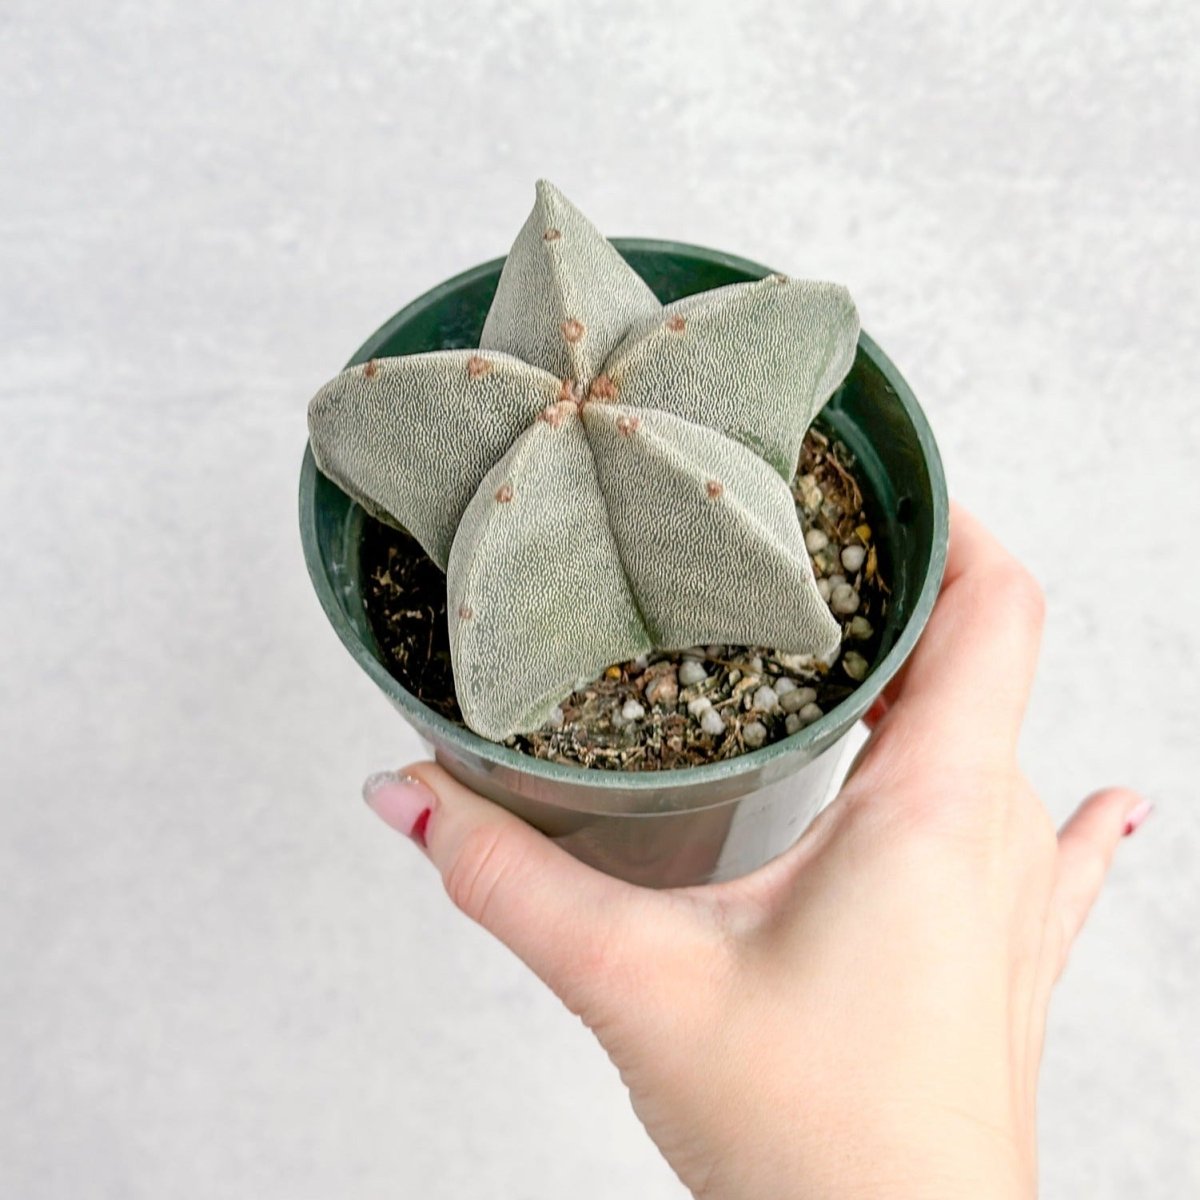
(1135, 818)
(401, 801)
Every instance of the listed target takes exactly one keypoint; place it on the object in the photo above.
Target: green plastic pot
(700, 824)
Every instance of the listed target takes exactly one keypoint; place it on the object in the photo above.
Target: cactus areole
(605, 475)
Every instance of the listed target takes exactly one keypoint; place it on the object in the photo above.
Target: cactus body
(605, 475)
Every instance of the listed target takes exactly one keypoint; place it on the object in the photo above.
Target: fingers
(1086, 845)
(566, 920)
(967, 682)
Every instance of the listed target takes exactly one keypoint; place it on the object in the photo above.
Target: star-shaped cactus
(605, 474)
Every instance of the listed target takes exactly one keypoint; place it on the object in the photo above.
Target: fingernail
(401, 801)
(1135, 818)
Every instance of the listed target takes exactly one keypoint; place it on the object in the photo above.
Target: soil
(404, 595)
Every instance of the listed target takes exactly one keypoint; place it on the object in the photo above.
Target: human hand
(864, 1015)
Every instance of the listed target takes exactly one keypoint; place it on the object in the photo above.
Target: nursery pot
(698, 824)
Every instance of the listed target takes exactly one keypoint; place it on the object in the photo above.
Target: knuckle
(1017, 591)
(970, 806)
(475, 874)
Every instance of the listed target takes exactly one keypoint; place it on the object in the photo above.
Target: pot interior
(873, 412)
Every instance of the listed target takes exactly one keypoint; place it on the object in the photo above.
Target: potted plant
(605, 480)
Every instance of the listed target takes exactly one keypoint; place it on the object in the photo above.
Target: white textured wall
(220, 976)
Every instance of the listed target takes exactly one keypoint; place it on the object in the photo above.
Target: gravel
(699, 706)
(797, 698)
(754, 734)
(631, 710)
(663, 689)
(810, 492)
(853, 558)
(844, 600)
(710, 721)
(855, 665)
(816, 540)
(766, 698)
(861, 629)
(810, 713)
(691, 672)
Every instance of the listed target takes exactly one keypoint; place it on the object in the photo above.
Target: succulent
(605, 475)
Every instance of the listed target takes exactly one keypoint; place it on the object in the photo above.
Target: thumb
(571, 924)
(1086, 845)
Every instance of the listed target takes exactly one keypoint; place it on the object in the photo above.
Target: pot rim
(808, 741)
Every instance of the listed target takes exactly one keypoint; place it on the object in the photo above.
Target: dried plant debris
(671, 708)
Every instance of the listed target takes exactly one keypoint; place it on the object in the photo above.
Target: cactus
(605, 475)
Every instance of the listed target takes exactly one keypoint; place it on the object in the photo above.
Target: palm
(868, 1008)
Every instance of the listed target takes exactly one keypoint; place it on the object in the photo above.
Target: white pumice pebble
(691, 671)
(556, 718)
(810, 713)
(853, 558)
(754, 734)
(766, 698)
(699, 706)
(797, 698)
(836, 581)
(714, 651)
(710, 722)
(844, 600)
(792, 723)
(631, 710)
(810, 492)
(756, 664)
(861, 628)
(825, 588)
(815, 541)
(854, 665)
(642, 662)
(784, 685)
(734, 675)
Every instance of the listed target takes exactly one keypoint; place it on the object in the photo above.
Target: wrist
(948, 1159)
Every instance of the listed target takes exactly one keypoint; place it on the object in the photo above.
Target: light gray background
(220, 976)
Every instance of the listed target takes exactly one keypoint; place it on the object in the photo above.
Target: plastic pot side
(699, 824)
